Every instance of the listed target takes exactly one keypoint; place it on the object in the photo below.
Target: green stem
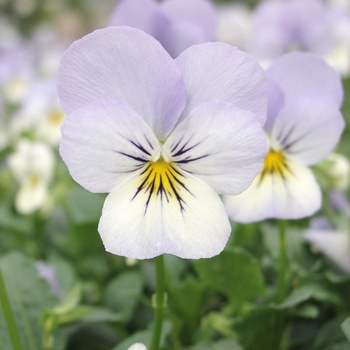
(158, 303)
(283, 260)
(9, 318)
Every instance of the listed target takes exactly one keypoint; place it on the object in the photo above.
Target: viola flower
(137, 346)
(283, 26)
(333, 243)
(163, 136)
(32, 165)
(303, 125)
(176, 24)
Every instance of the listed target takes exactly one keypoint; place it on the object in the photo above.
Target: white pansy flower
(32, 166)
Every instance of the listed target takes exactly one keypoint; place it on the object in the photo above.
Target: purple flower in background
(176, 24)
(283, 26)
(163, 136)
(303, 125)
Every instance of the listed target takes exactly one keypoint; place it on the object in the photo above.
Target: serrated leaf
(235, 273)
(29, 296)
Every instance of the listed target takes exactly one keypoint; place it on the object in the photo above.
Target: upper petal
(301, 74)
(162, 210)
(104, 143)
(220, 144)
(200, 12)
(308, 129)
(125, 64)
(292, 195)
(146, 15)
(218, 71)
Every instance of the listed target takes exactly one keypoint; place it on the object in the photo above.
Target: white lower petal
(334, 244)
(187, 220)
(293, 196)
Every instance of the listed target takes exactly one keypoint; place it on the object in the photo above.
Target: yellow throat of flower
(275, 164)
(162, 179)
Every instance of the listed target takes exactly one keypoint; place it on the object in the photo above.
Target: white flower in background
(40, 115)
(32, 166)
(339, 56)
(333, 243)
(235, 25)
(336, 168)
(137, 346)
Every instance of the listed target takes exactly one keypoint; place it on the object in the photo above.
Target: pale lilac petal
(300, 74)
(105, 143)
(217, 71)
(334, 244)
(180, 35)
(125, 64)
(308, 130)
(220, 144)
(146, 15)
(294, 196)
(275, 102)
(200, 12)
(149, 222)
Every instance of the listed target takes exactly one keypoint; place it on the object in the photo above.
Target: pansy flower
(164, 137)
(176, 24)
(303, 125)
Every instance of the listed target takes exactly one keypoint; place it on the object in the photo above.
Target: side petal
(125, 64)
(187, 220)
(105, 143)
(146, 15)
(334, 244)
(222, 145)
(308, 129)
(292, 196)
(218, 71)
(301, 74)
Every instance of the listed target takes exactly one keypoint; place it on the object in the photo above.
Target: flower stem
(9, 318)
(283, 260)
(158, 303)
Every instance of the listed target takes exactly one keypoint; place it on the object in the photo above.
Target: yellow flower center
(56, 117)
(275, 164)
(162, 179)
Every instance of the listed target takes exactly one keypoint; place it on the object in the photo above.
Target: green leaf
(84, 207)
(144, 337)
(225, 344)
(234, 273)
(123, 292)
(30, 296)
(261, 329)
(345, 326)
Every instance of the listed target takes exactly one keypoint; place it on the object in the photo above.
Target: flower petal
(31, 197)
(187, 220)
(218, 71)
(104, 143)
(294, 195)
(308, 129)
(201, 12)
(125, 64)
(146, 15)
(222, 145)
(334, 244)
(301, 74)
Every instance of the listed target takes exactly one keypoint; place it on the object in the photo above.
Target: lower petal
(293, 195)
(174, 213)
